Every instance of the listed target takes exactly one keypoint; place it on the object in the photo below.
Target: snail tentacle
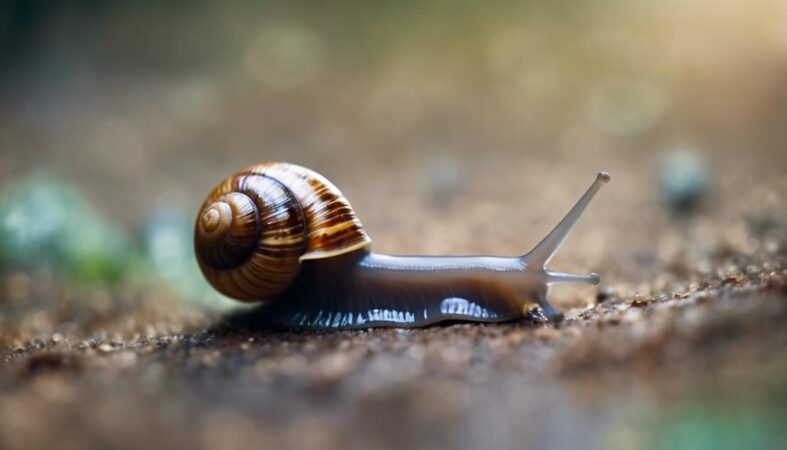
(546, 249)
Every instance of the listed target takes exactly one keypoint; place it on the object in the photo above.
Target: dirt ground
(684, 342)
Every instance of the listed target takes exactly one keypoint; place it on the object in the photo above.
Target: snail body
(283, 235)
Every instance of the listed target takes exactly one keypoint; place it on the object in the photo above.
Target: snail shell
(257, 226)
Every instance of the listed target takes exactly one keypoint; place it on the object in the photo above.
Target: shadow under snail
(284, 235)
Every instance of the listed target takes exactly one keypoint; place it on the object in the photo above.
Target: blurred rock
(683, 179)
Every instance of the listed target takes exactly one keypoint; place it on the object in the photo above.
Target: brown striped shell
(257, 226)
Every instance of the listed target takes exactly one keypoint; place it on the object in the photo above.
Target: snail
(283, 235)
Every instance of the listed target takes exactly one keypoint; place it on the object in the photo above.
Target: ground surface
(684, 342)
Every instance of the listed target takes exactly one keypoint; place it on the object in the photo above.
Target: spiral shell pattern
(257, 226)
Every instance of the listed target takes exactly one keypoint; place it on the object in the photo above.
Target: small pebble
(684, 179)
(603, 295)
(105, 347)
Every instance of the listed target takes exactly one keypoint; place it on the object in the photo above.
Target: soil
(685, 340)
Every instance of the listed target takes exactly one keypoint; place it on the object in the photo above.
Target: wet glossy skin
(363, 289)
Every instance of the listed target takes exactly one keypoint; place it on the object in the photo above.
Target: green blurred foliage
(720, 429)
(46, 221)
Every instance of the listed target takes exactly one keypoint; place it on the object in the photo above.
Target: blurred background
(452, 127)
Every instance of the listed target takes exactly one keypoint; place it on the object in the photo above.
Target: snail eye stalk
(546, 249)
